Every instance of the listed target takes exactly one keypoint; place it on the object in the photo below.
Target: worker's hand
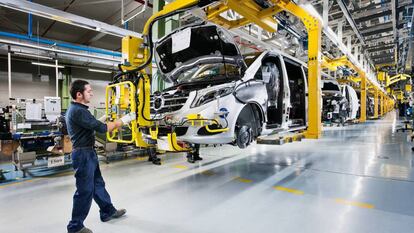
(102, 118)
(128, 118)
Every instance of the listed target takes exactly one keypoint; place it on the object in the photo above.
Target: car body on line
(251, 95)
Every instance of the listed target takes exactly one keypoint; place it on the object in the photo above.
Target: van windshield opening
(209, 72)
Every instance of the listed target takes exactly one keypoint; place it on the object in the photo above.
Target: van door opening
(297, 87)
(274, 91)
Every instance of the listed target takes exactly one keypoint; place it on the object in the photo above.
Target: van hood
(193, 45)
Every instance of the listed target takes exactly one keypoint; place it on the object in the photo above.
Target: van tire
(248, 126)
(243, 136)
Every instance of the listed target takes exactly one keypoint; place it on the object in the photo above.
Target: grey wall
(26, 82)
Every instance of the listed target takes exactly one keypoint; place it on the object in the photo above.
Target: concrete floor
(355, 179)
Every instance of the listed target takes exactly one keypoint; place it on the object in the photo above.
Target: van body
(251, 95)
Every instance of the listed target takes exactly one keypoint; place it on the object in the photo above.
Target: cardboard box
(67, 145)
(8, 147)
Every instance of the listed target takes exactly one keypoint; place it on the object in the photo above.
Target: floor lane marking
(354, 203)
(289, 190)
(17, 183)
(142, 158)
(243, 180)
(180, 166)
(208, 173)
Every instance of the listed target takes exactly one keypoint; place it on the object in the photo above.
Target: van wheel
(248, 126)
(243, 136)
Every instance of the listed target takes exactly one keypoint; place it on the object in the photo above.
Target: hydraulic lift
(130, 90)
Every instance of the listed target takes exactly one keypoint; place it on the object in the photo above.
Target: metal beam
(53, 23)
(114, 19)
(409, 63)
(54, 50)
(384, 61)
(380, 12)
(373, 16)
(65, 17)
(394, 6)
(380, 48)
(380, 38)
(385, 27)
(372, 11)
(373, 5)
(383, 55)
(351, 21)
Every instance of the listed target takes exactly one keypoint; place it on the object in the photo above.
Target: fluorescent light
(46, 64)
(100, 71)
(32, 55)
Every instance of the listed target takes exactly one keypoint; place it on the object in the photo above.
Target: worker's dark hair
(77, 86)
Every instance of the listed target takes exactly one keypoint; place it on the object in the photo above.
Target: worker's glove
(128, 118)
(102, 118)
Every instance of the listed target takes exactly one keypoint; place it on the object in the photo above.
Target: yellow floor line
(289, 190)
(238, 178)
(142, 158)
(16, 183)
(208, 173)
(180, 166)
(354, 203)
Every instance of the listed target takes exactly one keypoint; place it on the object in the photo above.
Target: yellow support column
(382, 104)
(314, 77)
(313, 27)
(363, 106)
(376, 104)
(386, 105)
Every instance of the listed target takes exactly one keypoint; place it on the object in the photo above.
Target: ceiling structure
(380, 30)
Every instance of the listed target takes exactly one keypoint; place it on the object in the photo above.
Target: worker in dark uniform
(89, 181)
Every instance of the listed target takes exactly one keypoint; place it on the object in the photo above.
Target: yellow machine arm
(396, 78)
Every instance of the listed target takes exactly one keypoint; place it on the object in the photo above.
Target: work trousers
(89, 185)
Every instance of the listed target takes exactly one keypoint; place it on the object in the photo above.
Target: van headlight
(204, 97)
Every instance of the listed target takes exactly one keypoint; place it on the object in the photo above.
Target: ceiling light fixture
(100, 71)
(32, 55)
(46, 64)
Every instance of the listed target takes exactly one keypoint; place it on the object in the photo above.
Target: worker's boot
(190, 157)
(152, 156)
(117, 214)
(194, 155)
(155, 160)
(83, 230)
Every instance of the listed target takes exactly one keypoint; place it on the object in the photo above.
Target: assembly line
(206, 116)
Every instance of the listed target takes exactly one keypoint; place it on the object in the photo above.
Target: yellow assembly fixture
(197, 119)
(119, 101)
